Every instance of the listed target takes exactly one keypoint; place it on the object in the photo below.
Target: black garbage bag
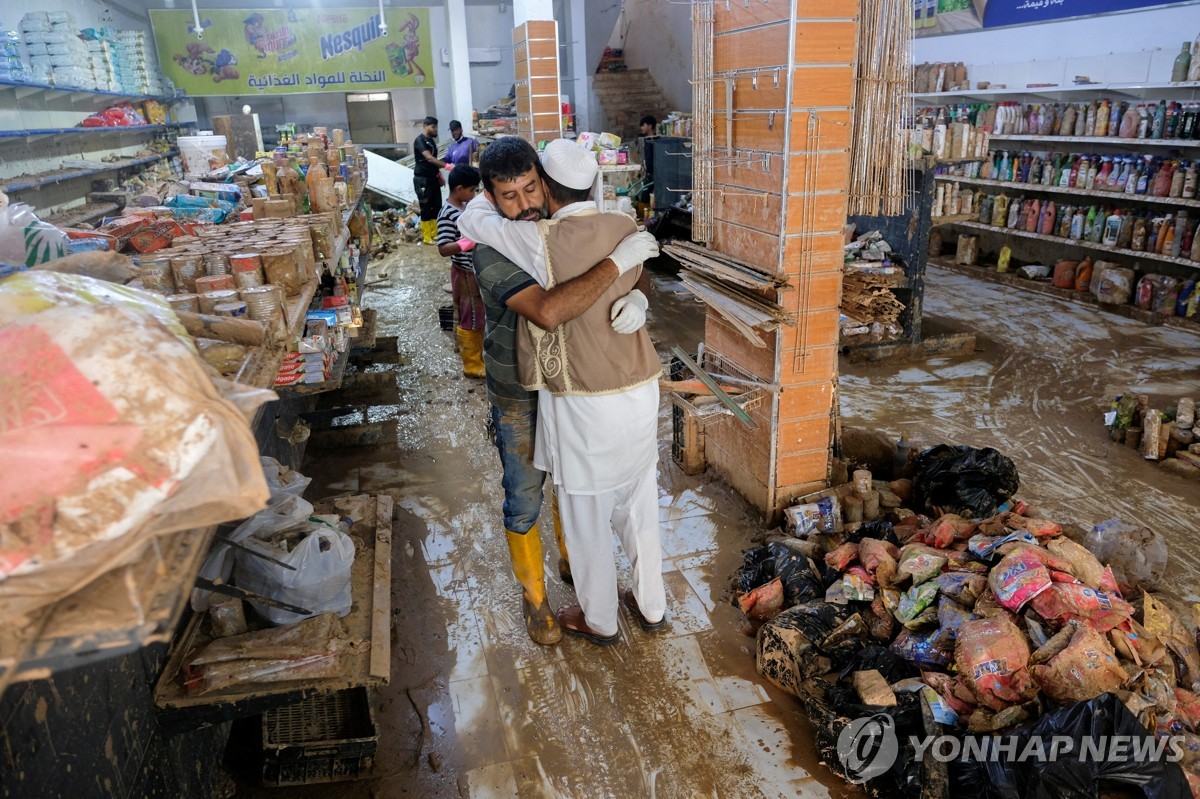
(1069, 775)
(834, 708)
(967, 481)
(879, 529)
(792, 646)
(763, 564)
(878, 658)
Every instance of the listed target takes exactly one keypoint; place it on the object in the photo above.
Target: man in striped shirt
(464, 185)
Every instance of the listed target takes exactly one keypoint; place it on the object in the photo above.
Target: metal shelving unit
(1052, 93)
(1087, 245)
(74, 174)
(33, 133)
(1043, 189)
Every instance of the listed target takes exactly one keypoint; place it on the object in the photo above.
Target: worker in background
(427, 178)
(463, 150)
(646, 128)
(513, 182)
(464, 185)
(597, 383)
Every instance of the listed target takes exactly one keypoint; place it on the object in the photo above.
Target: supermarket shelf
(100, 98)
(332, 383)
(21, 135)
(75, 174)
(85, 214)
(1179, 144)
(1054, 92)
(1040, 189)
(1086, 245)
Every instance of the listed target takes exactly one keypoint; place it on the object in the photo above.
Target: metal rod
(240, 593)
(251, 551)
(721, 396)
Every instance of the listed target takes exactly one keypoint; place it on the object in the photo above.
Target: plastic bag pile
(993, 620)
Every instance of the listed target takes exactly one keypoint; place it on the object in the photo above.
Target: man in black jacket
(427, 179)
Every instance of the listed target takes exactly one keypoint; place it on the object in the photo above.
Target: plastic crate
(446, 317)
(326, 738)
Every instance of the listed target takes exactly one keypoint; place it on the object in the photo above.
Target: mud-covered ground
(476, 709)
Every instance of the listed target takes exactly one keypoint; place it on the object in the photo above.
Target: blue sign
(1000, 13)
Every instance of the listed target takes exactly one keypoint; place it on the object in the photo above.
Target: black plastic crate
(446, 317)
(326, 738)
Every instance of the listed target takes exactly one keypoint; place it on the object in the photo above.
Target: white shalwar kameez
(602, 452)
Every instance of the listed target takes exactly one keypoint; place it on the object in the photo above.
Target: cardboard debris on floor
(939, 604)
(1166, 437)
(870, 309)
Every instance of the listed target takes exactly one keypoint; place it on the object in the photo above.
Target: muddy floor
(476, 709)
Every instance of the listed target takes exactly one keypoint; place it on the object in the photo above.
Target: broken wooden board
(369, 622)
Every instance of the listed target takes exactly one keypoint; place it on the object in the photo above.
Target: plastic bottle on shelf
(1160, 120)
(1062, 222)
(1077, 222)
(1138, 240)
(1143, 128)
(1102, 114)
(1114, 118)
(999, 210)
(1033, 219)
(1002, 166)
(1089, 223)
(1165, 229)
(1070, 176)
(1026, 164)
(1177, 177)
(1046, 121)
(1183, 62)
(1093, 171)
(985, 209)
(1081, 120)
(1129, 122)
(1171, 125)
(1187, 123)
(1112, 229)
(1101, 179)
(1089, 128)
(1067, 123)
(1189, 182)
(1014, 212)
(1194, 254)
(1098, 225)
(1046, 221)
(1126, 234)
(1145, 175)
(1175, 246)
(1033, 119)
(1161, 186)
(1135, 172)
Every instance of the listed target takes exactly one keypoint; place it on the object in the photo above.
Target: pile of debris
(1166, 437)
(870, 309)
(958, 613)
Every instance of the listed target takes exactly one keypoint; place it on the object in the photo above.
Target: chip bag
(993, 656)
(1017, 578)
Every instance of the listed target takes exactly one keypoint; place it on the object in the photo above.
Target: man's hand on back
(629, 313)
(633, 250)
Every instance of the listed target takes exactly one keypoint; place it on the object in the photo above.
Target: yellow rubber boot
(470, 348)
(526, 552)
(429, 231)
(564, 560)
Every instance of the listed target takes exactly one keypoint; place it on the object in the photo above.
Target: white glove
(633, 250)
(629, 313)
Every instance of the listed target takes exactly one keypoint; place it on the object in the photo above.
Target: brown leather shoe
(540, 622)
(572, 622)
(564, 572)
(632, 605)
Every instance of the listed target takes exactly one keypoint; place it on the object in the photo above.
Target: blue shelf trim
(77, 90)
(23, 134)
(74, 174)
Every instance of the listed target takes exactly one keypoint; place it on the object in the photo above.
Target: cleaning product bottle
(1161, 186)
(1181, 225)
(1126, 234)
(1138, 240)
(1046, 222)
(1102, 114)
(1114, 118)
(1067, 123)
(1014, 212)
(1145, 176)
(1062, 227)
(1023, 212)
(1098, 228)
(1177, 178)
(1159, 121)
(1187, 126)
(1089, 127)
(1129, 122)
(1143, 128)
(1135, 173)
(1183, 63)
(1112, 229)
(1034, 217)
(1106, 168)
(1000, 210)
(1189, 182)
(1073, 175)
(985, 209)
(1163, 228)
(1093, 170)
(1077, 224)
(1171, 126)
(1081, 120)
(1089, 222)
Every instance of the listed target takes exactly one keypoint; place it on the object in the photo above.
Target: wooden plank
(543, 49)
(830, 171)
(757, 211)
(816, 212)
(820, 131)
(752, 247)
(826, 42)
(536, 29)
(539, 86)
(823, 87)
(381, 607)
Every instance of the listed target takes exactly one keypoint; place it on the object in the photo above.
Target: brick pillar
(535, 57)
(781, 164)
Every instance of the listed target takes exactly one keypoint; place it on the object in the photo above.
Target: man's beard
(531, 215)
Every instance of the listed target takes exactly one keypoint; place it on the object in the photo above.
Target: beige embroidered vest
(585, 356)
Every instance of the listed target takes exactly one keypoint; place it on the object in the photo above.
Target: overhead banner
(262, 51)
(938, 17)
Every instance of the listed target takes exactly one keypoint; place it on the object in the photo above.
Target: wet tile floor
(476, 709)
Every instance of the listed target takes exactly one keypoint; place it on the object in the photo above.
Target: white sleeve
(520, 242)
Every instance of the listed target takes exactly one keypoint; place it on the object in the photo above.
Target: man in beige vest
(597, 430)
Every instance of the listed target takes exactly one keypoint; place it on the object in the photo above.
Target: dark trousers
(429, 196)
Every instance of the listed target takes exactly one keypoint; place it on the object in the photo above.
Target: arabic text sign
(283, 52)
(1020, 12)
